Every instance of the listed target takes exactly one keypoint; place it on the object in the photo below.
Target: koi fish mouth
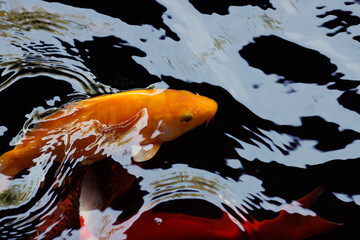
(208, 120)
(212, 110)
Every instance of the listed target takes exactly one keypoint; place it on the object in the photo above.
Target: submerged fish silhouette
(86, 130)
(153, 225)
(294, 222)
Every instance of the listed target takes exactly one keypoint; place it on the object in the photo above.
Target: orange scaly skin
(109, 117)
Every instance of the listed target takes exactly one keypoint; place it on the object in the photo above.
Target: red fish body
(153, 225)
(157, 225)
(294, 222)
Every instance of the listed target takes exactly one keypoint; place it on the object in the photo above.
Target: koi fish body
(162, 225)
(83, 130)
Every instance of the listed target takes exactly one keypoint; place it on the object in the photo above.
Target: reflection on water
(23, 20)
(182, 182)
(287, 119)
(32, 47)
(14, 195)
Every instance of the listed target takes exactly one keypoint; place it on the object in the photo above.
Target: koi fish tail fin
(295, 221)
(4, 160)
(309, 199)
(4, 178)
(18, 159)
(11, 164)
(7, 164)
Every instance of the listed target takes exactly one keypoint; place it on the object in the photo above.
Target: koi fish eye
(187, 117)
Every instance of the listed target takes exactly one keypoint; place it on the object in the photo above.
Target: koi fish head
(180, 112)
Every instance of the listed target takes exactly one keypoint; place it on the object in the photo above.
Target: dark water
(284, 73)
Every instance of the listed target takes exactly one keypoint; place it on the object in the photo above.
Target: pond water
(285, 74)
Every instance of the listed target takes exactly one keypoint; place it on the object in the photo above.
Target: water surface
(284, 73)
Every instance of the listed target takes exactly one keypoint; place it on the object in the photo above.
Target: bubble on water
(158, 221)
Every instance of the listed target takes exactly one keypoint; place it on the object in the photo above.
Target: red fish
(176, 226)
(295, 221)
(156, 225)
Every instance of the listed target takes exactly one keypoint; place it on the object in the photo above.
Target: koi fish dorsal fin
(142, 153)
(309, 199)
(295, 225)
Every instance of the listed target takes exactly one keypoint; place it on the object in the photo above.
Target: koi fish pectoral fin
(142, 153)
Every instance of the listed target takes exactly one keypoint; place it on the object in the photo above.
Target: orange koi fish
(87, 129)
